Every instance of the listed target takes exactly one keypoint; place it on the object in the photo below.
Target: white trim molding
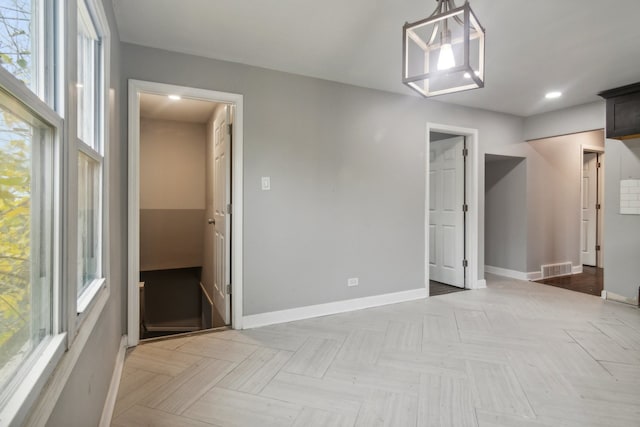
(310, 311)
(512, 274)
(474, 277)
(136, 87)
(112, 394)
(610, 296)
(532, 276)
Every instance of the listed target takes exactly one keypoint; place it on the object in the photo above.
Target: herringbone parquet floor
(514, 354)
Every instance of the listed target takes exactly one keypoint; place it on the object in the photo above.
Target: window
(90, 111)
(26, 237)
(23, 51)
(29, 197)
(42, 159)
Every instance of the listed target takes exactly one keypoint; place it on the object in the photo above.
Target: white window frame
(94, 12)
(43, 360)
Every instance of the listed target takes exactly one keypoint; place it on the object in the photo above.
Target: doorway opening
(451, 217)
(185, 204)
(589, 276)
(184, 184)
(591, 279)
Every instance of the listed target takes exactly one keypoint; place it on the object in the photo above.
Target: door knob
(211, 221)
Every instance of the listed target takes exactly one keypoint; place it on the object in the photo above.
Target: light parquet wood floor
(514, 354)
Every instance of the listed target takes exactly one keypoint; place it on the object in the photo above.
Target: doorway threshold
(437, 288)
(184, 334)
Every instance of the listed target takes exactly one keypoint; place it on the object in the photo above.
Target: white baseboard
(610, 296)
(112, 394)
(520, 275)
(603, 294)
(283, 316)
(513, 274)
(534, 275)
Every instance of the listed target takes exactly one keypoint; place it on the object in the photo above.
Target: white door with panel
(218, 204)
(589, 224)
(446, 215)
(221, 205)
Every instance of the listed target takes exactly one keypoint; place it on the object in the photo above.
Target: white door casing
(221, 203)
(600, 213)
(446, 216)
(133, 183)
(589, 225)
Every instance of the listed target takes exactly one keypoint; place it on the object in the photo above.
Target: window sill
(41, 367)
(43, 404)
(88, 295)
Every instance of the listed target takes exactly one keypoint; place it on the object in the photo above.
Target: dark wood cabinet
(623, 111)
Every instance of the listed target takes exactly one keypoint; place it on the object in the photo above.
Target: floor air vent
(554, 270)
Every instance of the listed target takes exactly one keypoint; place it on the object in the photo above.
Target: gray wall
(82, 399)
(172, 196)
(570, 120)
(347, 177)
(622, 232)
(505, 239)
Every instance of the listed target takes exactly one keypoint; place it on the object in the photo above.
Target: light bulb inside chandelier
(446, 59)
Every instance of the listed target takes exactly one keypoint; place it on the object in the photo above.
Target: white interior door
(221, 202)
(589, 223)
(446, 216)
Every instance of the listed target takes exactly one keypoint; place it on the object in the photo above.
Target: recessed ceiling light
(553, 95)
(175, 97)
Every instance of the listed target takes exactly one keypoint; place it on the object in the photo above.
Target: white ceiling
(579, 47)
(161, 107)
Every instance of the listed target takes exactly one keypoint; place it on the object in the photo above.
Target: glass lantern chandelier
(444, 53)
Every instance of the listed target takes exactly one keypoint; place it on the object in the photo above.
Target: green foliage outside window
(15, 187)
(15, 225)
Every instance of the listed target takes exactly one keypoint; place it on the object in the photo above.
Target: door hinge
(598, 164)
(229, 289)
(465, 208)
(229, 208)
(465, 152)
(597, 247)
(598, 206)
(465, 263)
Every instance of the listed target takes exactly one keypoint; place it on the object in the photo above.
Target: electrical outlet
(352, 281)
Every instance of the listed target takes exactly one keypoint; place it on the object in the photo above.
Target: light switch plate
(266, 183)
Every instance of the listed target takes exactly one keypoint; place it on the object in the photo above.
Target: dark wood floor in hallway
(437, 288)
(588, 282)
